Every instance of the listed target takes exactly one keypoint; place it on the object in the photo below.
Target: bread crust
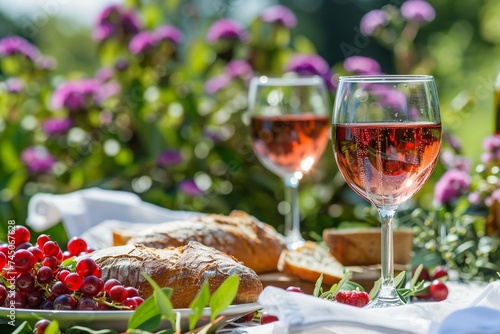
(254, 243)
(184, 269)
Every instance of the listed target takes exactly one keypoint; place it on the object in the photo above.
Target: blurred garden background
(150, 96)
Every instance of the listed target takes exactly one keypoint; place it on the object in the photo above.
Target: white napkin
(468, 309)
(93, 213)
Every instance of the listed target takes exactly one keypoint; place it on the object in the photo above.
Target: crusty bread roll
(309, 261)
(184, 269)
(254, 243)
(361, 247)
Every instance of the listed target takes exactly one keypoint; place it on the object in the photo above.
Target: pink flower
(280, 15)
(225, 29)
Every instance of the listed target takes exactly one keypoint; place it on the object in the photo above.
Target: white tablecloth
(469, 309)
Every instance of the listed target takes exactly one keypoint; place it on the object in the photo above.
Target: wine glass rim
(264, 80)
(387, 78)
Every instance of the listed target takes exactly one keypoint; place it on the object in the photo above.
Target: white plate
(117, 320)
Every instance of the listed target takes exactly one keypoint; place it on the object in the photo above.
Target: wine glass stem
(292, 219)
(387, 259)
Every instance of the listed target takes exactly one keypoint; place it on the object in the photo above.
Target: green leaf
(24, 328)
(162, 301)
(317, 286)
(52, 328)
(376, 288)
(417, 272)
(147, 316)
(84, 330)
(198, 304)
(224, 296)
(399, 281)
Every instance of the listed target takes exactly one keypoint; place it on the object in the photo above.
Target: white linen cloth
(93, 213)
(469, 309)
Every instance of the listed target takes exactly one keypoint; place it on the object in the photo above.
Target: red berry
(138, 300)
(247, 317)
(52, 262)
(37, 253)
(294, 289)
(353, 297)
(3, 260)
(111, 283)
(21, 235)
(41, 240)
(438, 290)
(23, 260)
(62, 275)
(424, 274)
(132, 292)
(66, 255)
(130, 303)
(267, 318)
(76, 245)
(73, 281)
(118, 293)
(3, 294)
(439, 271)
(40, 326)
(44, 275)
(91, 286)
(4, 249)
(51, 248)
(86, 267)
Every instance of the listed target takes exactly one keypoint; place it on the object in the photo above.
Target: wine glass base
(385, 302)
(294, 241)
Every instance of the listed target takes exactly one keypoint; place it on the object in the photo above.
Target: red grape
(40, 326)
(44, 275)
(132, 292)
(3, 260)
(117, 293)
(3, 294)
(130, 303)
(59, 289)
(138, 300)
(47, 305)
(25, 282)
(34, 298)
(37, 253)
(267, 318)
(294, 289)
(111, 283)
(87, 304)
(16, 299)
(4, 248)
(439, 271)
(51, 262)
(65, 302)
(91, 286)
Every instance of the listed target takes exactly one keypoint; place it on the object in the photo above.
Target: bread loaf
(361, 247)
(184, 269)
(309, 261)
(254, 243)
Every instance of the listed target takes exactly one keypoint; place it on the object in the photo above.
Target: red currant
(111, 283)
(3, 261)
(3, 294)
(52, 262)
(4, 249)
(41, 240)
(267, 318)
(40, 326)
(23, 260)
(44, 275)
(73, 281)
(294, 289)
(130, 303)
(118, 293)
(21, 235)
(132, 292)
(438, 290)
(51, 248)
(424, 274)
(37, 253)
(62, 275)
(76, 245)
(86, 267)
(439, 272)
(353, 297)
(91, 286)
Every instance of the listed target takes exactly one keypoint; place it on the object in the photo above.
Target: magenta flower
(168, 33)
(310, 64)
(169, 158)
(218, 82)
(373, 20)
(361, 65)
(280, 15)
(116, 21)
(452, 161)
(240, 69)
(142, 42)
(14, 85)
(491, 147)
(452, 184)
(190, 188)
(225, 29)
(494, 197)
(15, 45)
(418, 11)
(56, 126)
(37, 159)
(104, 74)
(76, 95)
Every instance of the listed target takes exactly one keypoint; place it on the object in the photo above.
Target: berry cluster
(435, 289)
(42, 276)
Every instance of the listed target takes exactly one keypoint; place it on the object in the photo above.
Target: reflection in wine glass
(386, 137)
(289, 127)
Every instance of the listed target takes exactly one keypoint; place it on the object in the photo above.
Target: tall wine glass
(386, 137)
(289, 127)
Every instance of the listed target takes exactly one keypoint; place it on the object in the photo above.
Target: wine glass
(386, 136)
(289, 127)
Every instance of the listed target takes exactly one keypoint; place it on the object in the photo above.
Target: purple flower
(389, 97)
(169, 158)
(240, 69)
(104, 74)
(75, 95)
(373, 20)
(37, 159)
(190, 188)
(56, 126)
(279, 14)
(116, 21)
(13, 45)
(168, 33)
(454, 142)
(452, 184)
(310, 64)
(142, 42)
(216, 83)
(418, 11)
(452, 161)
(494, 197)
(14, 85)
(491, 146)
(361, 65)
(225, 29)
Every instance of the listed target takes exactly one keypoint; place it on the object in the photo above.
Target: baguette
(309, 261)
(254, 243)
(184, 269)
